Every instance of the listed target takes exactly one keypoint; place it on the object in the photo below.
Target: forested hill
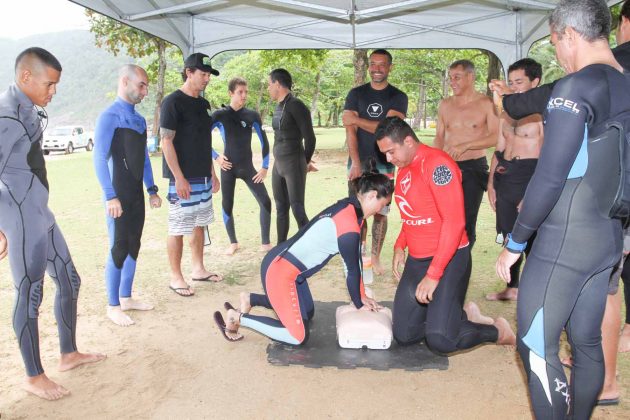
(88, 81)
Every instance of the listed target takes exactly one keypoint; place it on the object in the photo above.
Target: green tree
(115, 36)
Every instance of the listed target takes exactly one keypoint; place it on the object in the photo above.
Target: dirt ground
(173, 363)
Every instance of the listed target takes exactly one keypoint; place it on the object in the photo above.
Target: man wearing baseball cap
(185, 127)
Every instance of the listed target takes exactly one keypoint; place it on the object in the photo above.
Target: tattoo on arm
(167, 134)
(379, 229)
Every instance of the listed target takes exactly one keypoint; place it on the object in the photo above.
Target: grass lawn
(76, 202)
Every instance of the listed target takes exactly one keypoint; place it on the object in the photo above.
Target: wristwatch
(153, 190)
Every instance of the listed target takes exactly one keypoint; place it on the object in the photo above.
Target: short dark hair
(625, 10)
(281, 76)
(42, 55)
(236, 81)
(396, 129)
(467, 65)
(381, 51)
(533, 69)
(373, 181)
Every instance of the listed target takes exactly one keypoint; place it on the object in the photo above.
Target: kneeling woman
(286, 268)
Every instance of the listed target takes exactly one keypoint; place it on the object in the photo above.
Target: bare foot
(377, 268)
(231, 250)
(506, 335)
(510, 293)
(180, 287)
(71, 360)
(43, 387)
(474, 314)
(131, 304)
(246, 304)
(624, 339)
(609, 394)
(266, 247)
(118, 317)
(232, 323)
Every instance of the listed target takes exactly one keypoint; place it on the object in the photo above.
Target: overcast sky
(21, 18)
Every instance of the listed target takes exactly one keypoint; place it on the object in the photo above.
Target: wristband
(513, 246)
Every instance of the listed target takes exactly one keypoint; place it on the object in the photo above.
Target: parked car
(67, 139)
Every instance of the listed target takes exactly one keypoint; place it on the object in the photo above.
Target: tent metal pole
(185, 7)
(305, 5)
(519, 35)
(353, 16)
(403, 4)
(535, 3)
(271, 30)
(191, 35)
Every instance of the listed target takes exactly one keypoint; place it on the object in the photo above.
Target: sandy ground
(174, 364)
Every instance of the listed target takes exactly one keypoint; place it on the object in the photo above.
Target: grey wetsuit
(36, 244)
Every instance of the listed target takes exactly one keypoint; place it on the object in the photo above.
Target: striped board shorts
(185, 215)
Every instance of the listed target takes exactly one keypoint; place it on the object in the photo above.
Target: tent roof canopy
(506, 27)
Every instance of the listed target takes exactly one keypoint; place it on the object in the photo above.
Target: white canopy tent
(506, 27)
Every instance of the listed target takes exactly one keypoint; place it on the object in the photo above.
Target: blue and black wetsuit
(291, 124)
(562, 286)
(285, 269)
(122, 161)
(236, 130)
(35, 242)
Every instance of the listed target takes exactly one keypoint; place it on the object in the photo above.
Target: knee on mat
(439, 343)
(403, 338)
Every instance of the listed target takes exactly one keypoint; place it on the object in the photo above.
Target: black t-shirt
(190, 118)
(372, 104)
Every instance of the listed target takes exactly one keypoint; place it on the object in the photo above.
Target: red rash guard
(430, 198)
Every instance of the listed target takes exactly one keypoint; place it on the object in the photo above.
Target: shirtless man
(514, 162)
(467, 125)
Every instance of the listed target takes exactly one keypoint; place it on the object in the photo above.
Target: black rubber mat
(322, 349)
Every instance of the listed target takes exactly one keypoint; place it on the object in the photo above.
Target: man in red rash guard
(430, 295)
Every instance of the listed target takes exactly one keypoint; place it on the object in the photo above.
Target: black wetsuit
(291, 123)
(534, 101)
(236, 130)
(121, 161)
(474, 183)
(562, 286)
(510, 182)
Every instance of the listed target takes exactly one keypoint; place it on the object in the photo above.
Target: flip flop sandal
(228, 306)
(212, 277)
(218, 319)
(176, 290)
(607, 401)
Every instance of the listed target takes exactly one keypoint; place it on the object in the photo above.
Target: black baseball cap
(200, 61)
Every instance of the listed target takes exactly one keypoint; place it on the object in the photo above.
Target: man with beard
(365, 107)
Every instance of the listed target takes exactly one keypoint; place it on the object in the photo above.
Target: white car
(67, 139)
